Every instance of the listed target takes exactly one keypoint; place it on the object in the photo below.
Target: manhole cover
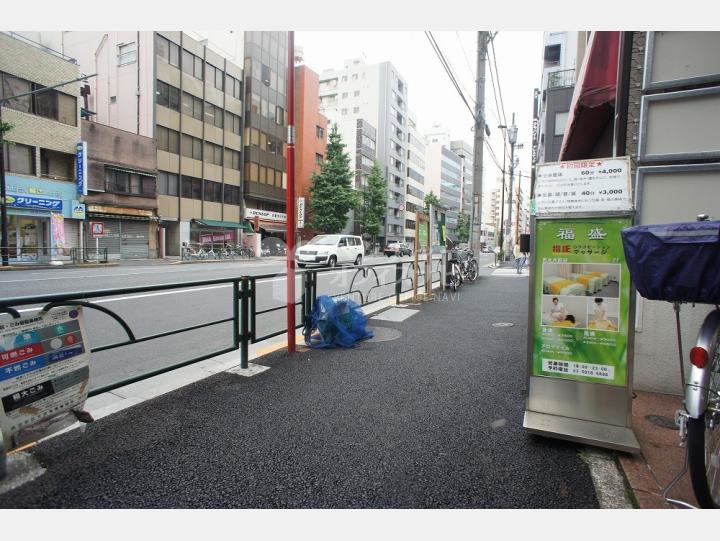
(662, 422)
(503, 324)
(383, 334)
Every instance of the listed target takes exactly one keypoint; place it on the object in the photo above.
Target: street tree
(463, 227)
(331, 194)
(431, 199)
(374, 202)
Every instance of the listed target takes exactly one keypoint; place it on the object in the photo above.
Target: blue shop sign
(29, 202)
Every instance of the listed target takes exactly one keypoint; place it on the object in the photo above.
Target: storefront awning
(245, 226)
(275, 227)
(593, 102)
(128, 170)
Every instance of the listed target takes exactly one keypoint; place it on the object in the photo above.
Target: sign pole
(290, 194)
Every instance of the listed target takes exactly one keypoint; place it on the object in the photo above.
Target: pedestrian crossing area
(510, 271)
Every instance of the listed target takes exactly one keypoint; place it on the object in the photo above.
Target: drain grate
(383, 334)
(662, 422)
(503, 324)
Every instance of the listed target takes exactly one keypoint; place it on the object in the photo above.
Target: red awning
(593, 102)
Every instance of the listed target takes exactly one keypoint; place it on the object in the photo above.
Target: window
(272, 145)
(127, 53)
(168, 96)
(57, 165)
(319, 132)
(213, 153)
(232, 122)
(355, 76)
(318, 158)
(192, 65)
(19, 159)
(213, 115)
(191, 147)
(344, 95)
(265, 74)
(356, 109)
(213, 191)
(167, 183)
(232, 159)
(192, 106)
(12, 86)
(168, 50)
(552, 55)
(167, 140)
(366, 141)
(214, 76)
(232, 195)
(344, 78)
(560, 121)
(191, 187)
(343, 112)
(233, 86)
(356, 93)
(254, 137)
(125, 182)
(279, 115)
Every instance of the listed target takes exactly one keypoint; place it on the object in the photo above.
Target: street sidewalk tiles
(396, 315)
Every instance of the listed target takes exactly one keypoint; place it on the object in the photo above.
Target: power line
(453, 80)
(497, 74)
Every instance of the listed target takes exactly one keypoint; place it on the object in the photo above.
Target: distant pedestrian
(520, 262)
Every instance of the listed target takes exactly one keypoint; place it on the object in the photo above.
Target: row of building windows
(170, 97)
(266, 142)
(20, 159)
(123, 182)
(48, 104)
(193, 65)
(191, 147)
(265, 108)
(196, 188)
(411, 190)
(264, 175)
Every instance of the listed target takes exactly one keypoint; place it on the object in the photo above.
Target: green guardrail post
(245, 317)
(398, 282)
(236, 313)
(307, 296)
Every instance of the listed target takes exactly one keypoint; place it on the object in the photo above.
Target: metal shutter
(134, 239)
(110, 239)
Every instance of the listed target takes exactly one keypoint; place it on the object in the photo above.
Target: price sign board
(44, 374)
(595, 185)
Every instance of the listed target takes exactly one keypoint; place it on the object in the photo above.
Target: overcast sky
(431, 95)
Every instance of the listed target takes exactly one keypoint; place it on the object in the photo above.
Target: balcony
(561, 79)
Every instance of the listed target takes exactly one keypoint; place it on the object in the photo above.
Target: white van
(330, 250)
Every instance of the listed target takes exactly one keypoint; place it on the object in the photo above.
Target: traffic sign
(97, 229)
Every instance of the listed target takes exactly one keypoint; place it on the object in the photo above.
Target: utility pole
(290, 194)
(512, 137)
(483, 38)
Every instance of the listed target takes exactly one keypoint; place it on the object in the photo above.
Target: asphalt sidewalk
(426, 415)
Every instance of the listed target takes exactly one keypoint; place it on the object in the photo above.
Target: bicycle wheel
(473, 271)
(703, 445)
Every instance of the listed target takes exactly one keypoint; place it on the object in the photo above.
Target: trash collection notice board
(582, 300)
(44, 372)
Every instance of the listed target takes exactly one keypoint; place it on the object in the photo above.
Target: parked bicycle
(679, 263)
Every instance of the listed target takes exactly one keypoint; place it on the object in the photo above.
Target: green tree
(463, 227)
(374, 202)
(332, 195)
(431, 199)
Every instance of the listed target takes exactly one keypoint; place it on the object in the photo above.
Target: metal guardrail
(44, 255)
(245, 330)
(561, 79)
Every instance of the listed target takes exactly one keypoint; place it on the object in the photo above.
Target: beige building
(186, 93)
(44, 209)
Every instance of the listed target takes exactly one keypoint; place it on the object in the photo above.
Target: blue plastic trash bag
(334, 323)
(675, 262)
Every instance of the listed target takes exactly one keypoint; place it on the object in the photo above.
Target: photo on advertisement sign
(581, 279)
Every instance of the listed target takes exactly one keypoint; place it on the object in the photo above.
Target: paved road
(432, 419)
(156, 312)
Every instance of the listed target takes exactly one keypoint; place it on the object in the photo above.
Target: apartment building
(443, 169)
(44, 198)
(377, 94)
(563, 53)
(415, 188)
(184, 90)
(310, 136)
(266, 62)
(465, 151)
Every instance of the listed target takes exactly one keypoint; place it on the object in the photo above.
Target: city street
(155, 312)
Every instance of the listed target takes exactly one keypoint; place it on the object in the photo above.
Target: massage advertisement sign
(582, 300)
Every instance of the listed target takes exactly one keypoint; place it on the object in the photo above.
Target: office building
(415, 189)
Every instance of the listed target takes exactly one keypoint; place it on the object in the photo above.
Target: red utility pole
(290, 194)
